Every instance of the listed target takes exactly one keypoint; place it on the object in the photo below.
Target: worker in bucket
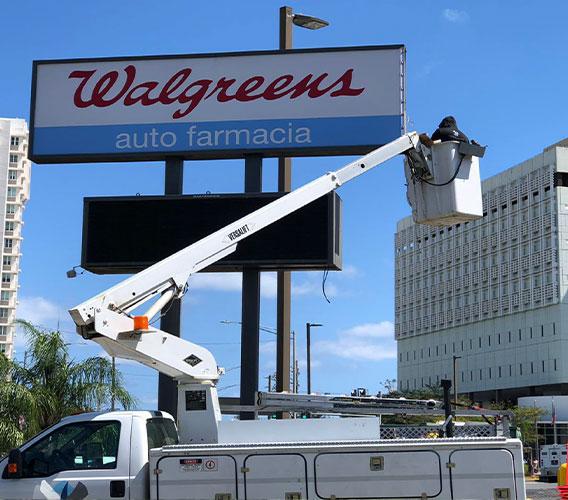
(448, 131)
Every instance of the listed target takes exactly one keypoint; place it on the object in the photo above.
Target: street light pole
(283, 278)
(308, 353)
(287, 19)
(455, 358)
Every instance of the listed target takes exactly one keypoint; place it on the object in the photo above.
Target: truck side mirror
(14, 467)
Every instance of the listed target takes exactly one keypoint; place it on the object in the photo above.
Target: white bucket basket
(437, 200)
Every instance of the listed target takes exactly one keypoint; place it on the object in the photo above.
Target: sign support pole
(283, 278)
(171, 319)
(250, 318)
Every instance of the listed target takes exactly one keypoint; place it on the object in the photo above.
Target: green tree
(525, 419)
(51, 386)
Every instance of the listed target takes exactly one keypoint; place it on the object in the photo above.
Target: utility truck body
(135, 455)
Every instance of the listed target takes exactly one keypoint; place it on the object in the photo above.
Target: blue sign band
(304, 133)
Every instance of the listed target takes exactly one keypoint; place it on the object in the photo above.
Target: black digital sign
(129, 233)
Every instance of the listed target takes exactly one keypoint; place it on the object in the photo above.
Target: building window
(13, 158)
(6, 278)
(532, 367)
(14, 141)
(9, 225)
(480, 374)
(520, 368)
(7, 260)
(4, 295)
(3, 312)
(554, 365)
(510, 370)
(3, 330)
(543, 366)
(12, 175)
(10, 209)
(8, 243)
(3, 348)
(499, 372)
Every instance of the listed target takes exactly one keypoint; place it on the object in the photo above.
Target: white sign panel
(297, 102)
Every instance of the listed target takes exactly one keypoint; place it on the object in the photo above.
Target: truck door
(77, 460)
(275, 476)
(485, 473)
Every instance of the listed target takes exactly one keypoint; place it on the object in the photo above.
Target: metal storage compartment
(284, 475)
(380, 474)
(211, 477)
(496, 468)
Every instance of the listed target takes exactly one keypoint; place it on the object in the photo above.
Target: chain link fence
(433, 431)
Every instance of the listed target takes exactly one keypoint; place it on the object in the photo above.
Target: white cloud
(365, 342)
(384, 329)
(39, 311)
(226, 282)
(455, 16)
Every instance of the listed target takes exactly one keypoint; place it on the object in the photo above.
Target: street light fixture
(309, 326)
(309, 22)
(72, 273)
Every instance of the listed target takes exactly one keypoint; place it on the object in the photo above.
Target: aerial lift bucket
(448, 191)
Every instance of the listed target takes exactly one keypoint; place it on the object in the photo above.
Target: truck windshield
(161, 432)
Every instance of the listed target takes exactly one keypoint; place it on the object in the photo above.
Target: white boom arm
(107, 318)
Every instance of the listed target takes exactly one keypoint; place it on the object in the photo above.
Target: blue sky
(499, 67)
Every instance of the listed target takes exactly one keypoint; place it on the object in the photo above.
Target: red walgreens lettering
(110, 89)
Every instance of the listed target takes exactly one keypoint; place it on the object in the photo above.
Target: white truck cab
(92, 455)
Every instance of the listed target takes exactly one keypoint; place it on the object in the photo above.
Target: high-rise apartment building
(15, 170)
(490, 296)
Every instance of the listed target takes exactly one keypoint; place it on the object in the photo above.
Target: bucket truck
(136, 454)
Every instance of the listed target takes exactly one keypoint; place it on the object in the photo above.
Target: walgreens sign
(333, 101)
